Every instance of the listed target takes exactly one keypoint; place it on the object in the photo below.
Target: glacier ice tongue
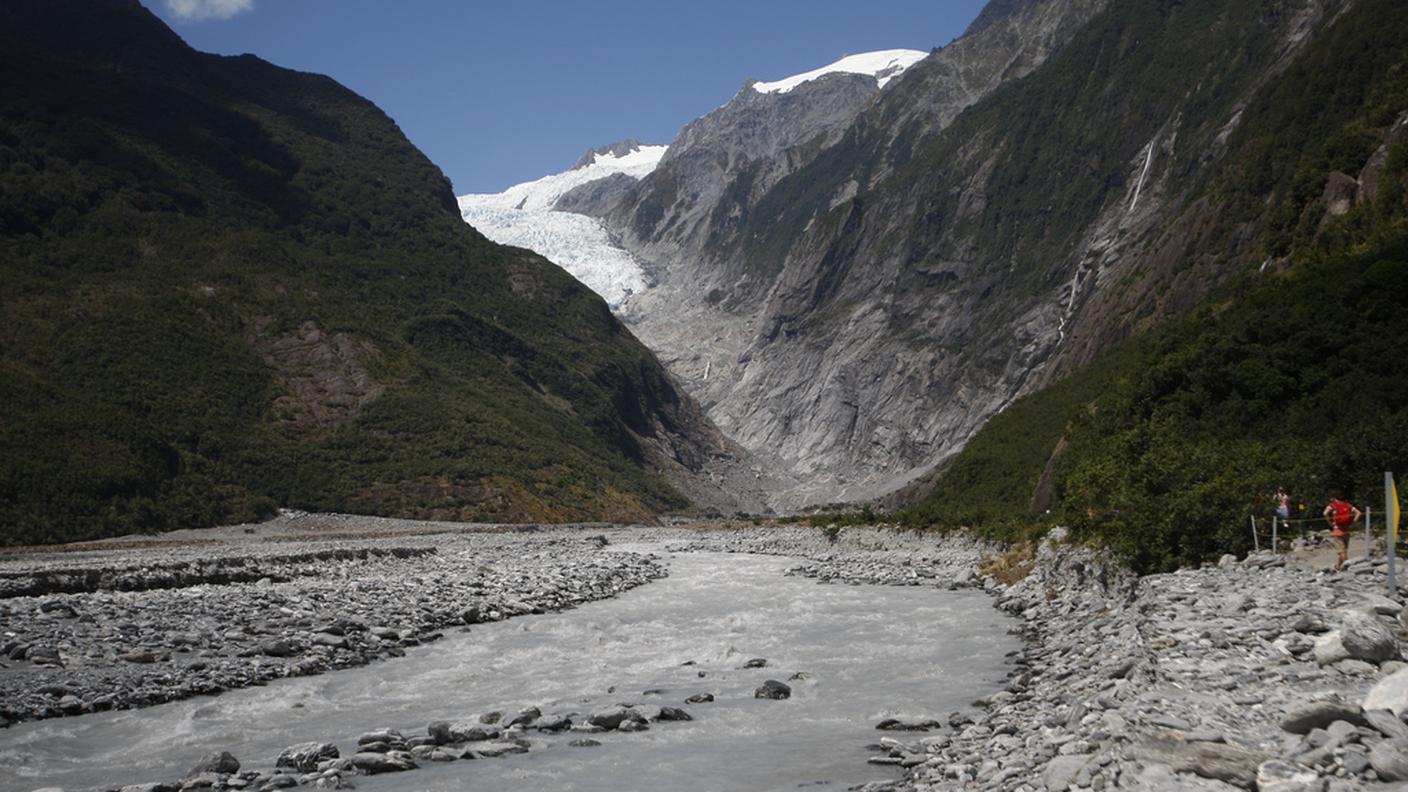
(523, 215)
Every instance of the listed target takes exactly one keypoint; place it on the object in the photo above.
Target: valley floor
(1265, 673)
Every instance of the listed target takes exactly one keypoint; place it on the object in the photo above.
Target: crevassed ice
(523, 216)
(884, 65)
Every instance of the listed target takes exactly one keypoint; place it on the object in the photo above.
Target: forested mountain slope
(1289, 372)
(230, 286)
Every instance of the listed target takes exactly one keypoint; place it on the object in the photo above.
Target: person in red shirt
(1341, 515)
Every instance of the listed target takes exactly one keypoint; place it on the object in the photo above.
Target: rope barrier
(1305, 520)
(1275, 539)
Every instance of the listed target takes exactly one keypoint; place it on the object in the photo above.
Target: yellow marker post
(1391, 515)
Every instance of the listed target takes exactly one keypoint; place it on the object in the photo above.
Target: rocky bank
(1265, 673)
(1258, 674)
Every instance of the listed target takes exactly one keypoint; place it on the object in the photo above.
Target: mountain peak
(617, 150)
(883, 65)
(996, 12)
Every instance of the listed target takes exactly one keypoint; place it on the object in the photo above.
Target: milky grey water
(871, 652)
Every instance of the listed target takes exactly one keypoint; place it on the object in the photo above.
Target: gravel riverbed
(1248, 674)
(134, 625)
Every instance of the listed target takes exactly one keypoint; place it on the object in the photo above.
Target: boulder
(772, 689)
(439, 732)
(1339, 195)
(44, 655)
(673, 714)
(700, 698)
(331, 641)
(376, 763)
(553, 723)
(1309, 623)
(1390, 693)
(1062, 770)
(305, 757)
(1319, 713)
(1386, 722)
(1342, 731)
(1389, 758)
(613, 718)
(1278, 775)
(61, 610)
(525, 717)
(908, 724)
(473, 732)
(1330, 649)
(216, 762)
(1355, 761)
(1383, 606)
(1123, 667)
(424, 751)
(1219, 761)
(1367, 638)
(444, 755)
(278, 648)
(965, 578)
(502, 748)
(388, 736)
(1235, 605)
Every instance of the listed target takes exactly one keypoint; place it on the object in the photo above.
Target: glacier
(523, 216)
(883, 65)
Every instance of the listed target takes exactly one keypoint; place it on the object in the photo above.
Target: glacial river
(869, 652)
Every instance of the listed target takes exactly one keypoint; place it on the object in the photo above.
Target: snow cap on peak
(883, 65)
(616, 150)
(637, 162)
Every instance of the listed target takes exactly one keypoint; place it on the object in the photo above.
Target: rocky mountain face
(231, 287)
(876, 272)
(701, 223)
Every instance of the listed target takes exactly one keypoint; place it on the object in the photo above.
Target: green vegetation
(1299, 381)
(231, 287)
(990, 486)
(1294, 375)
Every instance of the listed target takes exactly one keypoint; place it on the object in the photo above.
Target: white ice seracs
(884, 65)
(523, 215)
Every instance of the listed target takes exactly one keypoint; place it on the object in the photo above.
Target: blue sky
(502, 92)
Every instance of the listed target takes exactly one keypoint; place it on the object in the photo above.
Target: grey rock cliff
(851, 298)
(618, 149)
(723, 317)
